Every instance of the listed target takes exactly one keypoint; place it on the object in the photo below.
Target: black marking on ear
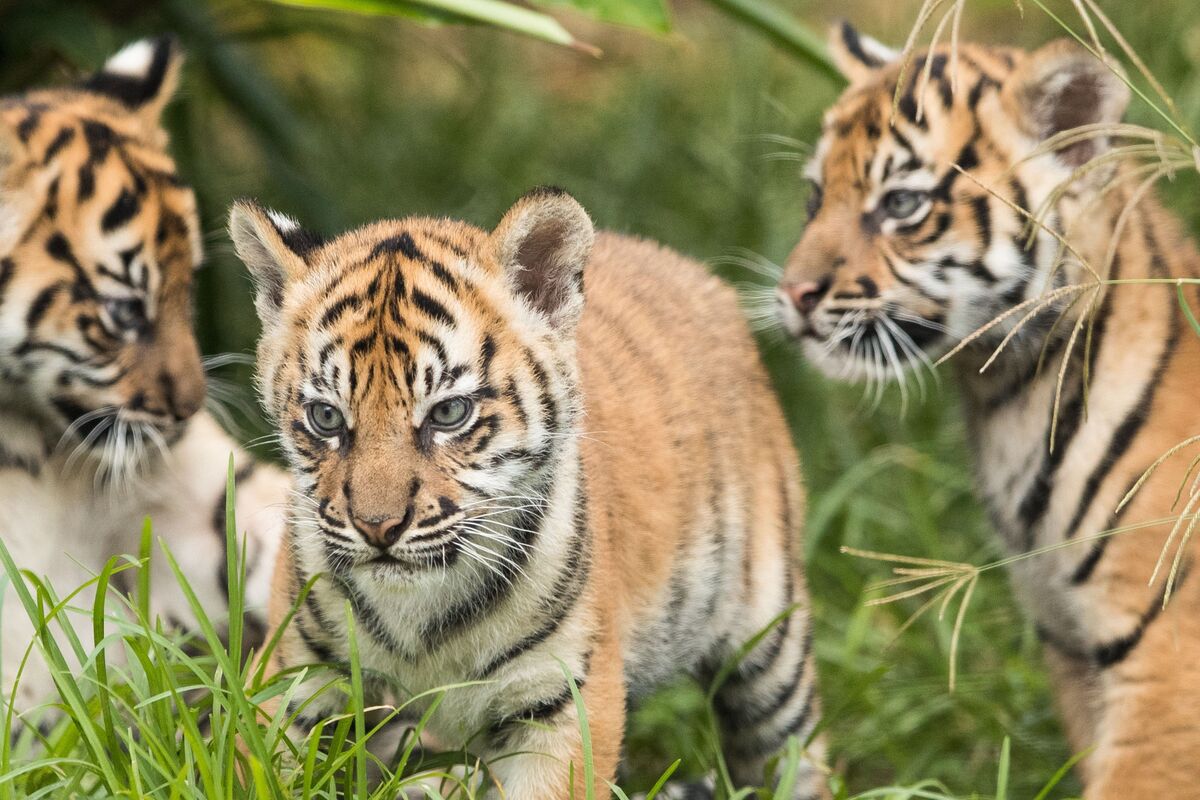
(301, 242)
(854, 47)
(134, 91)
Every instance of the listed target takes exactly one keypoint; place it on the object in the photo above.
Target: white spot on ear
(283, 222)
(133, 59)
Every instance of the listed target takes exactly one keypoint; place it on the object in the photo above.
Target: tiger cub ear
(274, 248)
(857, 56)
(142, 77)
(543, 243)
(1062, 86)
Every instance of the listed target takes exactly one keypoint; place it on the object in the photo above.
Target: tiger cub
(509, 476)
(101, 381)
(904, 256)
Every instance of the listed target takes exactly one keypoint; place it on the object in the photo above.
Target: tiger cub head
(98, 241)
(913, 239)
(423, 376)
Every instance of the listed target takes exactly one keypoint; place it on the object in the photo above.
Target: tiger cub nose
(381, 533)
(805, 295)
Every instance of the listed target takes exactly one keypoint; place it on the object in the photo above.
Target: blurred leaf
(488, 12)
(651, 15)
(784, 30)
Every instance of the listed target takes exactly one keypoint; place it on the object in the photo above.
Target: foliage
(693, 139)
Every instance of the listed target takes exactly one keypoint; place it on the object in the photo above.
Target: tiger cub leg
(551, 760)
(1148, 736)
(770, 697)
(1077, 694)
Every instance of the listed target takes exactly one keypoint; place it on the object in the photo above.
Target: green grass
(150, 714)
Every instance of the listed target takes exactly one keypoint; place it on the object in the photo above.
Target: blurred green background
(693, 137)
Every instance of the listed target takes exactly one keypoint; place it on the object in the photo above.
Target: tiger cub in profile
(101, 382)
(524, 454)
(904, 256)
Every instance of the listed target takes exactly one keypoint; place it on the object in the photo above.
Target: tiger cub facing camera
(525, 453)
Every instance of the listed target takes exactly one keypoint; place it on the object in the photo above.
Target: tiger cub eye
(450, 413)
(903, 203)
(325, 419)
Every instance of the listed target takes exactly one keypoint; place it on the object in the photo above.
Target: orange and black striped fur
(904, 256)
(509, 474)
(101, 380)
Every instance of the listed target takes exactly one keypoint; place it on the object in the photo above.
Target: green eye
(903, 203)
(450, 413)
(325, 419)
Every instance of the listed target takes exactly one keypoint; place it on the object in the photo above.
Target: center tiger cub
(525, 453)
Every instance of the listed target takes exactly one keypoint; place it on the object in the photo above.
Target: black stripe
(61, 140)
(540, 711)
(565, 593)
(496, 585)
(1036, 501)
(7, 269)
(765, 741)
(442, 274)
(753, 711)
(122, 210)
(403, 244)
(1116, 651)
(339, 307)
(318, 648)
(432, 308)
(981, 207)
(368, 617)
(1125, 433)
(1087, 566)
(41, 305)
(25, 463)
(967, 160)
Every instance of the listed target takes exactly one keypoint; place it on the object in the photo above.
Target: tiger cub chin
(523, 456)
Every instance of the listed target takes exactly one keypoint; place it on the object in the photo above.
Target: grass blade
(781, 28)
(488, 12)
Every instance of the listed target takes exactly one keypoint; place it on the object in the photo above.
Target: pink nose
(382, 534)
(804, 295)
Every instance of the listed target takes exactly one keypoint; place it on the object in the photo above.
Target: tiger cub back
(523, 454)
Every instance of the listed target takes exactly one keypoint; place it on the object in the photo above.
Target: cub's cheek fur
(651, 525)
